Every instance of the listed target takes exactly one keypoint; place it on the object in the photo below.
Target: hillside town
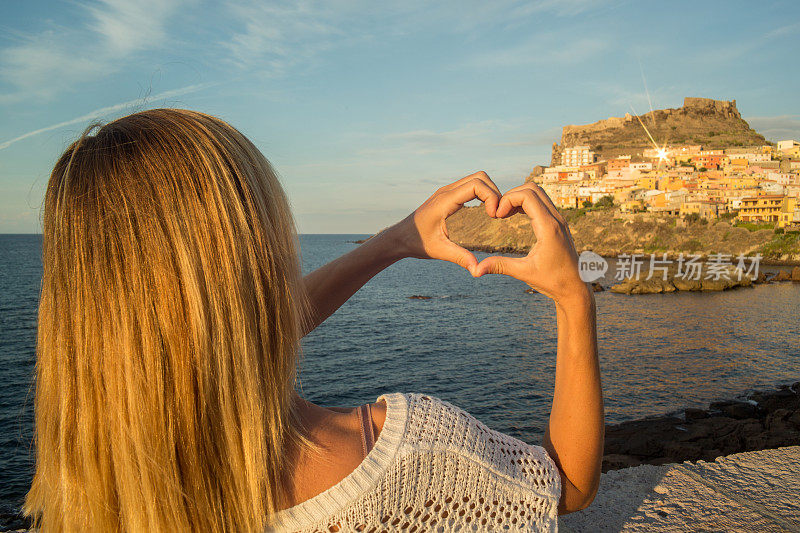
(753, 184)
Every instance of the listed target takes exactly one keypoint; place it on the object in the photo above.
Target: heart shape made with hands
(552, 251)
(473, 224)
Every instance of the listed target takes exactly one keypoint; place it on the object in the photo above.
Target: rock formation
(646, 284)
(703, 121)
(762, 420)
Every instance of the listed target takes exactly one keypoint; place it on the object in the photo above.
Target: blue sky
(366, 109)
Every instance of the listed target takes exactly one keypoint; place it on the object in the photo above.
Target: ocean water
(482, 344)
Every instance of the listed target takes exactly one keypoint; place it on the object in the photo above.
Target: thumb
(497, 264)
(460, 256)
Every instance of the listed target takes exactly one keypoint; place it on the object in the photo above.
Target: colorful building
(703, 208)
(761, 208)
(790, 212)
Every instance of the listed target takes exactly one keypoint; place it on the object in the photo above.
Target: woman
(170, 316)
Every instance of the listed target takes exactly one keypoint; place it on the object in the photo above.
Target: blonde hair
(169, 322)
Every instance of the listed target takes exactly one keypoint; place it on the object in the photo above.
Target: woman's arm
(423, 234)
(574, 437)
(331, 285)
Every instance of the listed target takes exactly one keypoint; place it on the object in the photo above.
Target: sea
(483, 344)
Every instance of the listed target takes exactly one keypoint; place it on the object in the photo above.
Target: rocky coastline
(612, 254)
(610, 233)
(758, 421)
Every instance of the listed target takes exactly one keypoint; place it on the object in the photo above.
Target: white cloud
(734, 52)
(544, 138)
(789, 29)
(477, 16)
(544, 48)
(634, 99)
(274, 36)
(428, 141)
(103, 111)
(61, 57)
(127, 26)
(277, 35)
(778, 127)
(558, 7)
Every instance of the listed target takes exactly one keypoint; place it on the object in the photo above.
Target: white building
(783, 178)
(771, 187)
(577, 156)
(787, 144)
(752, 157)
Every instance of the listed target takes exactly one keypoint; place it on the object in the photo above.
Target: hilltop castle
(703, 121)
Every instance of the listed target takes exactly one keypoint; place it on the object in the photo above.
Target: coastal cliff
(610, 233)
(702, 121)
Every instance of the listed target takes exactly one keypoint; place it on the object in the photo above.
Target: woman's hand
(551, 266)
(423, 234)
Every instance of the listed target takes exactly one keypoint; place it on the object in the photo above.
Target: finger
(460, 256)
(514, 210)
(497, 264)
(481, 175)
(543, 197)
(543, 221)
(475, 188)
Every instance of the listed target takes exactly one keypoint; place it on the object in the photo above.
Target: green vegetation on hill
(780, 245)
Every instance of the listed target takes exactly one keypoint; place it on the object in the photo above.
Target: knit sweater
(434, 467)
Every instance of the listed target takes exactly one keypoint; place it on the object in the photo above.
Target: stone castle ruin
(704, 121)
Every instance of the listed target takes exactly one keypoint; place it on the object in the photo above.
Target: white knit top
(434, 467)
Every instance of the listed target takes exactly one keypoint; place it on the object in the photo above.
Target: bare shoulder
(378, 415)
(337, 433)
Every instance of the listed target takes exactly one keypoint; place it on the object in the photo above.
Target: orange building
(620, 163)
(709, 161)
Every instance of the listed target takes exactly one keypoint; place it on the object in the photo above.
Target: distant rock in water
(781, 276)
(727, 278)
(419, 297)
(596, 287)
(785, 275)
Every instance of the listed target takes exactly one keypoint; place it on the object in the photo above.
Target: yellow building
(655, 198)
(739, 163)
(647, 182)
(632, 206)
(741, 182)
(791, 152)
(790, 212)
(703, 208)
(672, 184)
(761, 208)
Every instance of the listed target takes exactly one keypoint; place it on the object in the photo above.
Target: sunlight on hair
(169, 324)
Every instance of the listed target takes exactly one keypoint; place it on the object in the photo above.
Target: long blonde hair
(169, 324)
